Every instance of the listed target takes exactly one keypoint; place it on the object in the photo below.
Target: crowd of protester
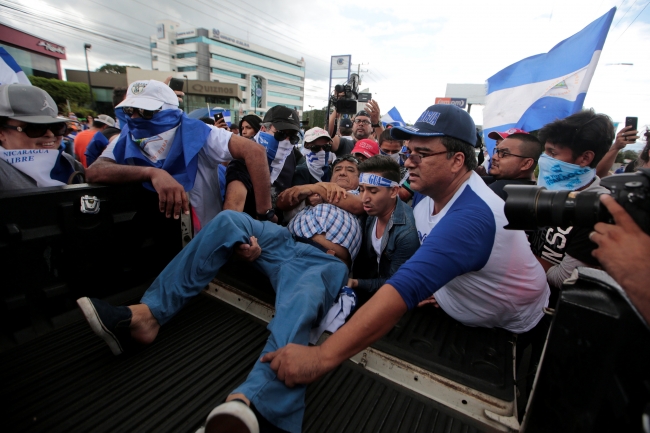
(369, 219)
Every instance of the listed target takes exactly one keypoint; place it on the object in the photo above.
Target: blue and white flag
(10, 72)
(393, 117)
(226, 114)
(542, 88)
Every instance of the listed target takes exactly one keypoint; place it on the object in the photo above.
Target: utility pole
(359, 71)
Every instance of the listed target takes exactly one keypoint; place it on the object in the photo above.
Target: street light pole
(92, 97)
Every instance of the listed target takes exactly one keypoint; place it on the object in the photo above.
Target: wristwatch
(375, 125)
(266, 216)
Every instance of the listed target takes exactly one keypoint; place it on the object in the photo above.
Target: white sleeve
(216, 145)
(108, 152)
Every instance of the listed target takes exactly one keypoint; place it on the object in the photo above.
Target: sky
(409, 49)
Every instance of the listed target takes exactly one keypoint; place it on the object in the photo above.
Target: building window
(288, 86)
(229, 73)
(284, 95)
(242, 88)
(256, 91)
(154, 58)
(255, 67)
(153, 45)
(239, 50)
(186, 68)
(185, 55)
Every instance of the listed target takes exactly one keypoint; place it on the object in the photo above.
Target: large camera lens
(530, 207)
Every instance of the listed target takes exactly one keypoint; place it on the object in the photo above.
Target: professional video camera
(529, 207)
(344, 97)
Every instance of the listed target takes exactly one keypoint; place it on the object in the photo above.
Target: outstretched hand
(295, 364)
(623, 248)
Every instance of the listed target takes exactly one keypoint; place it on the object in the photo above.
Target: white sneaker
(232, 417)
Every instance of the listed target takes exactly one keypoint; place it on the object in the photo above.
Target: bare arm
(172, 198)
(296, 364)
(290, 198)
(623, 138)
(331, 124)
(623, 250)
(337, 196)
(254, 155)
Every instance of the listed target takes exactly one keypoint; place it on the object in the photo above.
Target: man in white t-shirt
(177, 156)
(479, 273)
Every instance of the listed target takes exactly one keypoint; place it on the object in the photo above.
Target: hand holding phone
(218, 117)
(176, 84)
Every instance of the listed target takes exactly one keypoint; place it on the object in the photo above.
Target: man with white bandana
(176, 156)
(572, 149)
(318, 156)
(30, 140)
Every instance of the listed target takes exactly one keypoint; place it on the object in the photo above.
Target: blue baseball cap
(438, 121)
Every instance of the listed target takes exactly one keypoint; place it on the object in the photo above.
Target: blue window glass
(284, 95)
(226, 72)
(185, 55)
(186, 68)
(256, 67)
(288, 86)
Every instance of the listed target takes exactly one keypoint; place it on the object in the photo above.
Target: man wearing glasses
(479, 273)
(30, 140)
(176, 156)
(366, 123)
(514, 161)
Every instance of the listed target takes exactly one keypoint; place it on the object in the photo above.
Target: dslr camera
(530, 207)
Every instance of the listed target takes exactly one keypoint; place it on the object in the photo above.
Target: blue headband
(374, 180)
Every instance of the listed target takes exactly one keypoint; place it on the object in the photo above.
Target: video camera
(344, 97)
(530, 207)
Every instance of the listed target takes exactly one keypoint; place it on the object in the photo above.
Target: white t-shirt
(205, 196)
(376, 242)
(481, 274)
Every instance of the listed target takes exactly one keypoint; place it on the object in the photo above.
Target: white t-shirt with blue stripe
(481, 274)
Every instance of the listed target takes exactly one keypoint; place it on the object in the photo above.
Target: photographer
(366, 124)
(573, 147)
(623, 250)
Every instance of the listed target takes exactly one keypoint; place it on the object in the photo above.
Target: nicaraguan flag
(226, 114)
(10, 72)
(542, 88)
(393, 117)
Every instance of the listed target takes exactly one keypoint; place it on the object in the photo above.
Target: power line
(646, 5)
(628, 9)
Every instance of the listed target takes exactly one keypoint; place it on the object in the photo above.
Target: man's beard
(363, 133)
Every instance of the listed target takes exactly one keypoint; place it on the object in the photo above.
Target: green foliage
(62, 91)
(626, 154)
(315, 117)
(111, 68)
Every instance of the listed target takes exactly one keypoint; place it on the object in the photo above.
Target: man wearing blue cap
(479, 273)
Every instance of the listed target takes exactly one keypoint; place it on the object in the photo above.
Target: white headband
(374, 180)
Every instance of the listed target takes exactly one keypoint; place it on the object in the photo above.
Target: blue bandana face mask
(556, 175)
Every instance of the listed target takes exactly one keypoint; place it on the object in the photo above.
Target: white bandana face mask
(316, 162)
(556, 175)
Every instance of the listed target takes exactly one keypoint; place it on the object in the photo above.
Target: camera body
(345, 96)
(530, 207)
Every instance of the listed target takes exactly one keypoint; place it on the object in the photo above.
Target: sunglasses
(35, 130)
(348, 158)
(145, 114)
(283, 135)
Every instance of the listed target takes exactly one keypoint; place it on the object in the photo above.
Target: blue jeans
(299, 302)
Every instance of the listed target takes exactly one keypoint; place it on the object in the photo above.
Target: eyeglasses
(145, 114)
(36, 130)
(361, 122)
(504, 152)
(416, 158)
(283, 135)
(348, 158)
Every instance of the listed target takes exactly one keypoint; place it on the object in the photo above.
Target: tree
(111, 68)
(63, 91)
(627, 154)
(315, 118)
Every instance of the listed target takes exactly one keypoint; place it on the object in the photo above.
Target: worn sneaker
(110, 323)
(232, 417)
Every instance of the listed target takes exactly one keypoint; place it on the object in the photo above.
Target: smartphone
(177, 84)
(218, 117)
(631, 121)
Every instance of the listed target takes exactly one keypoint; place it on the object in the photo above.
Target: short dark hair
(382, 164)
(385, 136)
(530, 146)
(345, 131)
(118, 95)
(98, 124)
(454, 145)
(348, 158)
(581, 132)
(207, 120)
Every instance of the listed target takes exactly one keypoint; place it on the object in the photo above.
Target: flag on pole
(542, 88)
(393, 117)
(10, 72)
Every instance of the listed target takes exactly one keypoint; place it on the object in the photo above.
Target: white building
(265, 77)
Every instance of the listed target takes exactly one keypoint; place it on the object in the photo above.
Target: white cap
(314, 133)
(103, 118)
(149, 95)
